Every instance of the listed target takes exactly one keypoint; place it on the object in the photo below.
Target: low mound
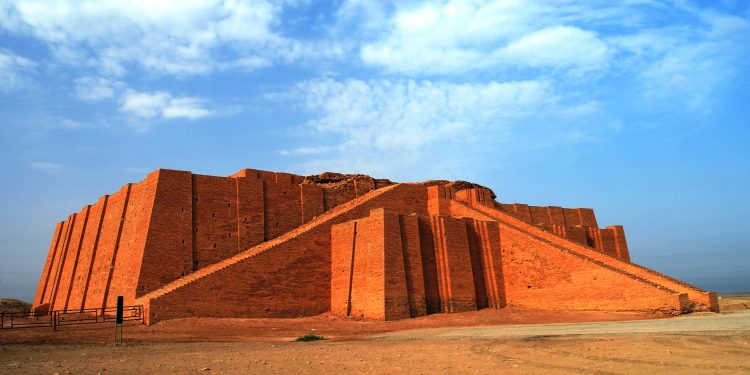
(734, 301)
(10, 305)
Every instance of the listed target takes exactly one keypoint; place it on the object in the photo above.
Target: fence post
(119, 318)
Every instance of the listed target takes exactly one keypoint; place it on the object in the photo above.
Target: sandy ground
(281, 330)
(724, 352)
(507, 340)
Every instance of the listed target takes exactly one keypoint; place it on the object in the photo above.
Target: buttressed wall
(265, 244)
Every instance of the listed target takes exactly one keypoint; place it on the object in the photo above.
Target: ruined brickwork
(265, 244)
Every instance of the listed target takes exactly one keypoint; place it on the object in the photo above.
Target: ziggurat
(265, 244)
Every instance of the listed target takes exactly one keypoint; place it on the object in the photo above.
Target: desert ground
(508, 340)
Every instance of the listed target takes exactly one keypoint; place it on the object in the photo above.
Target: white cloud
(189, 108)
(315, 150)
(449, 37)
(46, 167)
(93, 89)
(558, 47)
(14, 71)
(508, 39)
(162, 36)
(159, 104)
(381, 126)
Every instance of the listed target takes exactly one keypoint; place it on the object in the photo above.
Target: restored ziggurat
(264, 244)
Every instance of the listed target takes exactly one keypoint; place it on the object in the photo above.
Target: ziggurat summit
(276, 245)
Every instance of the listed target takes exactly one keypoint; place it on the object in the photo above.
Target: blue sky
(637, 108)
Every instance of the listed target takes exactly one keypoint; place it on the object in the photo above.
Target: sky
(637, 108)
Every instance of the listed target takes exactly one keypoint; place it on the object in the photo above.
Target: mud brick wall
(51, 256)
(289, 276)
(430, 271)
(265, 244)
(449, 265)
(312, 202)
(455, 279)
(576, 224)
(486, 262)
(540, 276)
(98, 251)
(335, 197)
(412, 257)
(621, 245)
(577, 234)
(73, 272)
(556, 216)
(609, 241)
(343, 252)
(290, 280)
(523, 211)
(104, 262)
(695, 295)
(54, 266)
(232, 214)
(66, 263)
(608, 246)
(132, 241)
(169, 241)
(283, 209)
(539, 215)
(372, 272)
(214, 219)
(438, 200)
(370, 277)
(473, 196)
(236, 213)
(171, 224)
(82, 274)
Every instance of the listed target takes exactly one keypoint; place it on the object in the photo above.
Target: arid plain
(509, 340)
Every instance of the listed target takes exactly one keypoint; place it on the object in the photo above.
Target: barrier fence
(57, 318)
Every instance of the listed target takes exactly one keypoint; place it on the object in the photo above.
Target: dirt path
(738, 320)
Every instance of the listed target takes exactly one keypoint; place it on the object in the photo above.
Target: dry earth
(507, 340)
(734, 301)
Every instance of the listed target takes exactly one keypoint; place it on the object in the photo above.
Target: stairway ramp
(323, 219)
(701, 299)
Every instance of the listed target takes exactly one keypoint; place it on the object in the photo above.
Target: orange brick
(266, 244)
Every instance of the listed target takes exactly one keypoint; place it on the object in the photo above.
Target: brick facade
(265, 244)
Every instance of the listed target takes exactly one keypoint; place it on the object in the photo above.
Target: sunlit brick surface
(265, 244)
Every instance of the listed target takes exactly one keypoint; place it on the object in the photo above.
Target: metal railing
(57, 318)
